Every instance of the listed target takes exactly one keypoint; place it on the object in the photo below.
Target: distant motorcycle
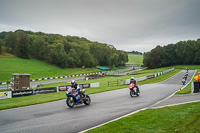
(133, 90)
(183, 81)
(75, 97)
(187, 74)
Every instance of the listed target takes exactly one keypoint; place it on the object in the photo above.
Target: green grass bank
(135, 59)
(36, 68)
(176, 119)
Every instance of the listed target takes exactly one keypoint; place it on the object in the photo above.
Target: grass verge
(180, 119)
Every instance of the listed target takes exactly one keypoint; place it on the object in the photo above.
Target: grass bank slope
(37, 68)
(135, 59)
(180, 119)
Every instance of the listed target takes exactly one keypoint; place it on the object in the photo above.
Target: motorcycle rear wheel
(70, 102)
(87, 100)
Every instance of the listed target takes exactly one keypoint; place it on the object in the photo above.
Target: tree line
(181, 53)
(135, 52)
(63, 51)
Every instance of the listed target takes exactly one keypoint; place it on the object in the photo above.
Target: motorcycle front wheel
(131, 93)
(70, 102)
(87, 100)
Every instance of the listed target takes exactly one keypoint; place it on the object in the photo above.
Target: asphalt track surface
(57, 117)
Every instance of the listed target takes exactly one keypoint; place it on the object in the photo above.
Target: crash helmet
(132, 78)
(73, 82)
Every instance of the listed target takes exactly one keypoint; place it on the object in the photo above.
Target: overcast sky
(129, 25)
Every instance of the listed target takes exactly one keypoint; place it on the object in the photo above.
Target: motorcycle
(133, 90)
(75, 97)
(183, 81)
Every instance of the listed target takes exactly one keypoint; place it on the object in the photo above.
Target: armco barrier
(94, 84)
(150, 76)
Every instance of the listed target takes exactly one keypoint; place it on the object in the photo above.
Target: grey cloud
(127, 24)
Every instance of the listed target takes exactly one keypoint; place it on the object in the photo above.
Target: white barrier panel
(4, 83)
(6, 94)
(94, 84)
(141, 79)
(128, 81)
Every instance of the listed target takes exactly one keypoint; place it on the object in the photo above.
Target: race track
(57, 117)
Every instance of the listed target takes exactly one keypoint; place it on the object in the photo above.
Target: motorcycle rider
(74, 84)
(187, 70)
(132, 80)
(185, 77)
(76, 87)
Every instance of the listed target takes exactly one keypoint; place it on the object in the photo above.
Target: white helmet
(73, 81)
(132, 77)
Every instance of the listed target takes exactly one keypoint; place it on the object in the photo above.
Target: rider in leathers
(132, 80)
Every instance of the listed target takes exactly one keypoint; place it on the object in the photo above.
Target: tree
(196, 52)
(169, 55)
(2, 45)
(114, 60)
(39, 48)
(146, 60)
(22, 45)
(63, 51)
(58, 54)
(10, 40)
(155, 57)
(122, 57)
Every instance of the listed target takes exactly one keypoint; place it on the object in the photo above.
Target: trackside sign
(6, 94)
(22, 93)
(44, 90)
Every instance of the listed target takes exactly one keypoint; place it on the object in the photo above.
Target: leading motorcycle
(75, 97)
(133, 90)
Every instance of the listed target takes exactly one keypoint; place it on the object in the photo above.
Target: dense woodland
(63, 51)
(181, 53)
